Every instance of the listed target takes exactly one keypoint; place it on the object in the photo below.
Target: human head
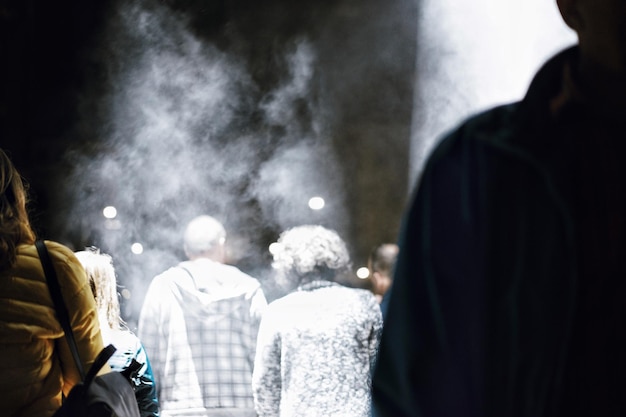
(101, 274)
(601, 29)
(15, 226)
(205, 238)
(381, 263)
(306, 253)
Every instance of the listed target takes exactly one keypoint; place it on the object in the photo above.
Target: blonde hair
(101, 275)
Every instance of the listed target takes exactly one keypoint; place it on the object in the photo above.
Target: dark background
(365, 70)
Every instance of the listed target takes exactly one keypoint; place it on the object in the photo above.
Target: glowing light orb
(109, 212)
(136, 248)
(363, 272)
(316, 203)
(273, 248)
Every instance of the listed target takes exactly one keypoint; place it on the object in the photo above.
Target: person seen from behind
(199, 324)
(510, 286)
(36, 366)
(381, 263)
(102, 279)
(317, 344)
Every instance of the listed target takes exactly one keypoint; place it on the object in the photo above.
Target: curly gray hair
(306, 253)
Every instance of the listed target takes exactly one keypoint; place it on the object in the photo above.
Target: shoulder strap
(101, 359)
(59, 304)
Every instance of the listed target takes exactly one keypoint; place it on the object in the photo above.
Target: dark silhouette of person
(510, 285)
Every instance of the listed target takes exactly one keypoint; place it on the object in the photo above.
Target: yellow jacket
(36, 364)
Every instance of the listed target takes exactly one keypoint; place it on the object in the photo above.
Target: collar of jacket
(314, 285)
(534, 117)
(547, 84)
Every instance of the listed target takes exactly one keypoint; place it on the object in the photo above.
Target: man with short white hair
(205, 237)
(199, 323)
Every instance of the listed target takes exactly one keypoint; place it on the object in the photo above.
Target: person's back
(33, 372)
(199, 323)
(36, 366)
(103, 282)
(328, 338)
(130, 349)
(316, 345)
(509, 286)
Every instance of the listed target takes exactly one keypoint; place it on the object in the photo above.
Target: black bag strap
(59, 304)
(101, 359)
(64, 318)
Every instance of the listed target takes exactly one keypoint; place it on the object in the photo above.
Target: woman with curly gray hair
(316, 345)
(309, 253)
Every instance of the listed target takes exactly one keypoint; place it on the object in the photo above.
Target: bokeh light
(109, 212)
(363, 272)
(273, 247)
(316, 203)
(136, 248)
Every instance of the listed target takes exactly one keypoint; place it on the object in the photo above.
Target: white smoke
(179, 136)
(474, 55)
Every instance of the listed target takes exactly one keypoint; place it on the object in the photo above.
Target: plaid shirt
(199, 323)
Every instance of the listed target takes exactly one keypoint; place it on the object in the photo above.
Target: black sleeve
(430, 357)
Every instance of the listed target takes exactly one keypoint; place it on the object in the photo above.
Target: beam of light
(316, 203)
(473, 56)
(363, 273)
(109, 212)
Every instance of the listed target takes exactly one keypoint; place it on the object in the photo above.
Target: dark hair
(15, 226)
(383, 258)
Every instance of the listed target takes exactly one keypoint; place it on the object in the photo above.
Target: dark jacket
(129, 348)
(484, 317)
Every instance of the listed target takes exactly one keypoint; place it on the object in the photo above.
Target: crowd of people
(207, 342)
(505, 296)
